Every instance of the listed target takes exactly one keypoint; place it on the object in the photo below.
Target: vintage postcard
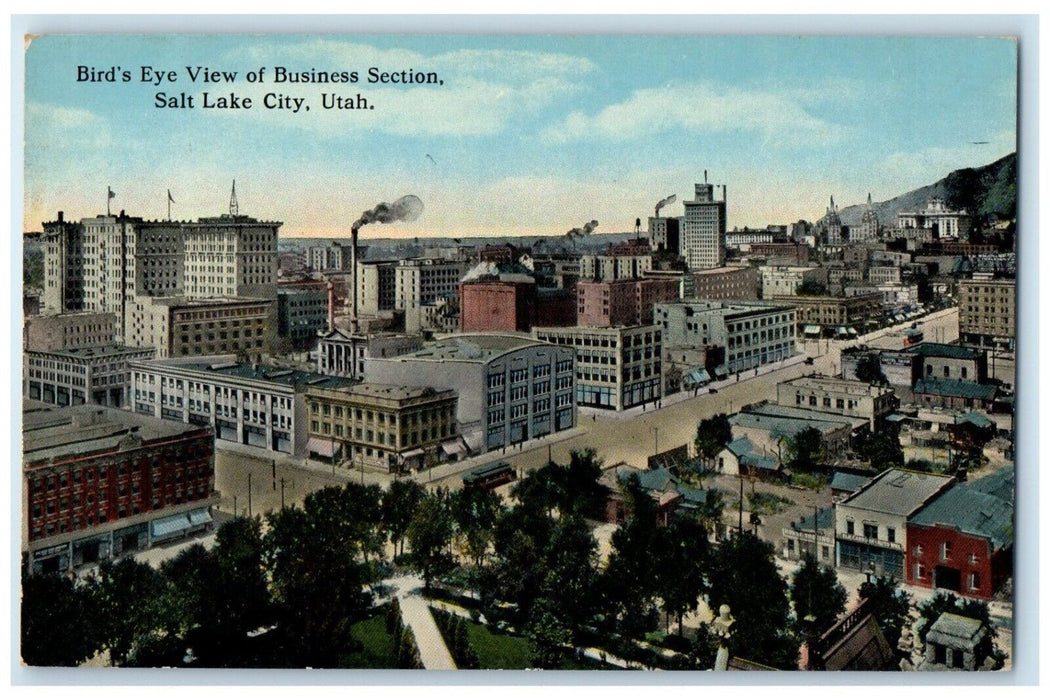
(453, 351)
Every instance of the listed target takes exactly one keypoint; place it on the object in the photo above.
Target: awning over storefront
(199, 517)
(697, 376)
(852, 330)
(811, 330)
(722, 371)
(417, 452)
(455, 447)
(171, 525)
(325, 448)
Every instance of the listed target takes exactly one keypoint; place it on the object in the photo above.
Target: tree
(318, 579)
(869, 369)
(811, 288)
(712, 434)
(519, 542)
(816, 592)
(567, 591)
(681, 560)
(744, 576)
(630, 575)
(59, 625)
(581, 491)
(889, 605)
(804, 451)
(474, 512)
(882, 449)
(429, 536)
(126, 596)
(399, 504)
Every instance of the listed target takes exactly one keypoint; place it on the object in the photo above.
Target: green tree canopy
(816, 592)
(744, 576)
(59, 621)
(804, 451)
(869, 369)
(712, 434)
(399, 505)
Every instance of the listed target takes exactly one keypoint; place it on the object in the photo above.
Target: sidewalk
(417, 617)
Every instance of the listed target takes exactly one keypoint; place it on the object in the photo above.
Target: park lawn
(509, 652)
(378, 651)
(497, 651)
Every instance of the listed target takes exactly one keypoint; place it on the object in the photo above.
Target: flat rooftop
(92, 352)
(71, 430)
(471, 347)
(226, 366)
(898, 492)
(394, 392)
(853, 387)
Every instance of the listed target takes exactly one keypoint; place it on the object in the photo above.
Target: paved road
(417, 616)
(630, 436)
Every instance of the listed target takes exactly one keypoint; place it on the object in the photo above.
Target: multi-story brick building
(752, 334)
(987, 312)
(616, 368)
(853, 312)
(842, 397)
(301, 315)
(719, 283)
(334, 256)
(871, 526)
(98, 483)
(376, 286)
(511, 388)
(962, 541)
(420, 284)
(627, 302)
(784, 280)
(183, 327)
(496, 304)
(70, 330)
(614, 267)
(247, 404)
(665, 234)
(94, 375)
(383, 426)
(126, 261)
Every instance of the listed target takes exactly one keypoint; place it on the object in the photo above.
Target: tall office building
(704, 228)
(121, 264)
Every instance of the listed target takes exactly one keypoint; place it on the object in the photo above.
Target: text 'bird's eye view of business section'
(685, 446)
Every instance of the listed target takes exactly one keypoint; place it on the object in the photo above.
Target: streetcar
(489, 476)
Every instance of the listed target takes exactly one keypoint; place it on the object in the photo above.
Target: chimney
(331, 306)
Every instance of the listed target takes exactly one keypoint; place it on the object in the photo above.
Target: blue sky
(528, 135)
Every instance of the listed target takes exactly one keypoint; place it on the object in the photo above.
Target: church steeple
(233, 199)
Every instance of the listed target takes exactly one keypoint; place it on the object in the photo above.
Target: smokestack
(407, 208)
(664, 202)
(705, 177)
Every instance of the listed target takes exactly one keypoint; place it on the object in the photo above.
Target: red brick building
(786, 253)
(627, 302)
(962, 541)
(98, 482)
(724, 283)
(497, 305)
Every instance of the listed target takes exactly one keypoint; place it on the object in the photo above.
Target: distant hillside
(986, 192)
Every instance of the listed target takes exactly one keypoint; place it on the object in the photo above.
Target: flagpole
(109, 196)
(169, 205)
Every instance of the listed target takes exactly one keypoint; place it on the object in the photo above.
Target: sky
(526, 135)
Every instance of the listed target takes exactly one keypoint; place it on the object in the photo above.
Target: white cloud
(906, 170)
(482, 90)
(700, 108)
